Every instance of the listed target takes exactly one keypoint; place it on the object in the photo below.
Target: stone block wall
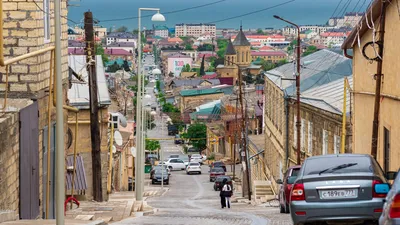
(9, 162)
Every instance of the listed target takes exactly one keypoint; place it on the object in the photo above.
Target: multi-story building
(364, 86)
(161, 31)
(99, 31)
(270, 56)
(24, 126)
(291, 30)
(333, 38)
(121, 37)
(195, 30)
(350, 19)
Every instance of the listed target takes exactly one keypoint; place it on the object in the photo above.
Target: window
(310, 137)
(46, 18)
(303, 133)
(336, 142)
(324, 142)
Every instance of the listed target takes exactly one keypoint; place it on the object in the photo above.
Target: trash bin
(147, 168)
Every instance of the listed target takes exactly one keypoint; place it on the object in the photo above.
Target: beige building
(194, 30)
(100, 32)
(364, 88)
(24, 116)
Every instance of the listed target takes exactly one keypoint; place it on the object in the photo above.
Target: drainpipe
(286, 99)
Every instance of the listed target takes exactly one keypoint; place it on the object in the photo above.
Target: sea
(250, 14)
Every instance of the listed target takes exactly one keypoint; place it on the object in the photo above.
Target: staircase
(262, 189)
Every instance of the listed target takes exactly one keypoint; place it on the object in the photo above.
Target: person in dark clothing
(222, 194)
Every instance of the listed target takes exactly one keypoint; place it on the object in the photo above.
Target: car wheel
(152, 182)
(215, 189)
(167, 183)
(211, 180)
(187, 173)
(282, 209)
(199, 172)
(170, 167)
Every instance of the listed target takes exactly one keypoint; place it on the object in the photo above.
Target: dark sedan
(159, 176)
(218, 184)
(158, 167)
(215, 172)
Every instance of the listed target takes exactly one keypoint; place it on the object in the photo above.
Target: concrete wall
(9, 162)
(84, 146)
(364, 82)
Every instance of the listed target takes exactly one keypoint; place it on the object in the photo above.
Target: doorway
(51, 207)
(386, 149)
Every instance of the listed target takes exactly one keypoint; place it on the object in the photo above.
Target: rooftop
(194, 92)
(121, 44)
(241, 39)
(121, 35)
(161, 27)
(268, 53)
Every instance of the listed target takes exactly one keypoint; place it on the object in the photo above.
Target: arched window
(242, 56)
(247, 56)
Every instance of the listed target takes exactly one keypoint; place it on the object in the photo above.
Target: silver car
(345, 188)
(391, 209)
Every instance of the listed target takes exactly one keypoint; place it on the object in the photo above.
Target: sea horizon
(298, 11)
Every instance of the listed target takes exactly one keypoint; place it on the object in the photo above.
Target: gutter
(286, 99)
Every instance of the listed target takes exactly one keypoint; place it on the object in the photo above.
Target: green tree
(259, 31)
(121, 29)
(113, 68)
(267, 65)
(158, 83)
(197, 134)
(152, 145)
(188, 47)
(291, 46)
(135, 31)
(202, 72)
(186, 68)
(125, 65)
(168, 107)
(100, 51)
(310, 49)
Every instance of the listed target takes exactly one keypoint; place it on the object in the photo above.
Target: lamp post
(298, 119)
(157, 72)
(139, 168)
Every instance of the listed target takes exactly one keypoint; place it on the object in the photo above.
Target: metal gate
(29, 162)
(52, 169)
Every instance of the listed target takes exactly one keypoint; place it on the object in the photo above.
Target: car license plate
(337, 194)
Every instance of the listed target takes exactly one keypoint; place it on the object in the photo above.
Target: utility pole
(378, 78)
(94, 104)
(243, 132)
(236, 137)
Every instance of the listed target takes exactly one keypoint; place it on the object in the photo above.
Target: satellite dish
(133, 151)
(114, 149)
(118, 138)
(122, 120)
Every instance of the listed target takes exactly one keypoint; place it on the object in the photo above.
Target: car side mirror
(391, 175)
(279, 181)
(382, 188)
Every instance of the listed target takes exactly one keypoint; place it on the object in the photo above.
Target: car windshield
(194, 164)
(160, 172)
(221, 178)
(217, 170)
(295, 172)
(196, 156)
(338, 165)
(173, 156)
(219, 164)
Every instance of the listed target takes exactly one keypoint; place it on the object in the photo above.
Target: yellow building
(237, 55)
(364, 85)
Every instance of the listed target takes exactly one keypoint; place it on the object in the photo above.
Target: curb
(97, 222)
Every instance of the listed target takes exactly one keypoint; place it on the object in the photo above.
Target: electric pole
(94, 104)
(378, 78)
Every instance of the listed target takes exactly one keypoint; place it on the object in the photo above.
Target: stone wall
(9, 162)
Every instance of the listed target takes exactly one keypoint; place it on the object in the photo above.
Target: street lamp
(139, 160)
(157, 72)
(298, 121)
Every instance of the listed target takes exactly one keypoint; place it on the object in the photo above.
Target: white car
(152, 81)
(175, 164)
(193, 168)
(196, 158)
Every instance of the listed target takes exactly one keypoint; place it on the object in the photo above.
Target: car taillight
(374, 194)
(394, 211)
(297, 193)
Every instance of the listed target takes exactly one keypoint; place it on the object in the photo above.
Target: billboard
(175, 65)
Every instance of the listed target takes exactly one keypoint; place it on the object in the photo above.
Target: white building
(161, 31)
(194, 30)
(291, 30)
(118, 37)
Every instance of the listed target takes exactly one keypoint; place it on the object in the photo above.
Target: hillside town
(193, 123)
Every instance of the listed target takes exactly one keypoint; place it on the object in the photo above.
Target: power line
(170, 12)
(253, 12)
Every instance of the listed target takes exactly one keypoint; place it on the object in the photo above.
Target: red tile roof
(266, 48)
(334, 34)
(211, 76)
(117, 52)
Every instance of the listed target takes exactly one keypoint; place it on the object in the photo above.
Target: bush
(211, 157)
(185, 149)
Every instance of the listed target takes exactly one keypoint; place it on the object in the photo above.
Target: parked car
(192, 150)
(172, 129)
(218, 164)
(286, 186)
(173, 157)
(159, 176)
(344, 188)
(193, 167)
(218, 184)
(391, 209)
(215, 172)
(197, 158)
(178, 139)
(175, 164)
(158, 167)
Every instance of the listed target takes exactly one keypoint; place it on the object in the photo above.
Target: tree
(292, 45)
(267, 65)
(152, 145)
(186, 68)
(310, 49)
(248, 79)
(135, 31)
(259, 31)
(168, 107)
(222, 44)
(202, 72)
(188, 47)
(100, 51)
(125, 66)
(205, 47)
(113, 68)
(259, 79)
(158, 83)
(197, 134)
(121, 29)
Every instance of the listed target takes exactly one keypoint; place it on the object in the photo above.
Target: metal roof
(241, 39)
(194, 92)
(193, 82)
(329, 96)
(126, 35)
(78, 94)
(319, 68)
(230, 50)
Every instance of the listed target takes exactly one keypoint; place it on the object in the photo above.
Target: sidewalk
(51, 222)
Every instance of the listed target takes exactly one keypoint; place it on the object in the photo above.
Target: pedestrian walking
(227, 190)
(222, 195)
